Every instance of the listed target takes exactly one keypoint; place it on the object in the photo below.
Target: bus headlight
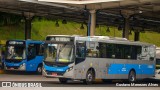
(22, 66)
(70, 68)
(43, 69)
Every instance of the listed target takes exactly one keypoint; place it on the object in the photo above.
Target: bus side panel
(32, 65)
(80, 69)
(115, 68)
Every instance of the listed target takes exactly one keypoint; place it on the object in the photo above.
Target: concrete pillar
(126, 28)
(136, 36)
(88, 25)
(92, 22)
(27, 29)
(28, 20)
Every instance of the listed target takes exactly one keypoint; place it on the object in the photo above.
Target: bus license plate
(54, 74)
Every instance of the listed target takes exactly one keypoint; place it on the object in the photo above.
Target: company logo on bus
(14, 42)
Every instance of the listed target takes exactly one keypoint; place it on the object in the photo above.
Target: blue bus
(97, 57)
(23, 55)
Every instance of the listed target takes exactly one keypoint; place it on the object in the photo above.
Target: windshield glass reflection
(59, 53)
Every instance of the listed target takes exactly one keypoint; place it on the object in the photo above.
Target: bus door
(34, 56)
(80, 51)
(80, 57)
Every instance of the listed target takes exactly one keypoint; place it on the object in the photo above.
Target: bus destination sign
(15, 42)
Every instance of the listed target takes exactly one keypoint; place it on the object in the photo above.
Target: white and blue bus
(23, 55)
(97, 57)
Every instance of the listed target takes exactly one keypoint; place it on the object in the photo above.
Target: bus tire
(39, 69)
(90, 77)
(63, 80)
(132, 76)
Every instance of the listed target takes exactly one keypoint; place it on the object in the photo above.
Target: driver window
(80, 49)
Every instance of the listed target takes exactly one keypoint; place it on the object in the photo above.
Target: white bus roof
(63, 35)
(116, 40)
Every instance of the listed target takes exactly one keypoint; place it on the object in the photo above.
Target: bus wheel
(132, 76)
(63, 80)
(89, 77)
(39, 69)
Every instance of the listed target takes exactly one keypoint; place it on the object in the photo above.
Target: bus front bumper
(44, 73)
(22, 67)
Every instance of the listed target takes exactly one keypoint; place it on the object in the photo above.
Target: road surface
(53, 83)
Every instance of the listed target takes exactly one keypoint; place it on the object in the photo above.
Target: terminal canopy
(109, 12)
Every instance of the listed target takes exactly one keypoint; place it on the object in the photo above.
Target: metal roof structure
(109, 12)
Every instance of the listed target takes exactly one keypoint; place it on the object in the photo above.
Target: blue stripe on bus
(31, 65)
(56, 69)
(125, 68)
(14, 64)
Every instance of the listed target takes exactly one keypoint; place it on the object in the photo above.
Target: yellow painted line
(1, 71)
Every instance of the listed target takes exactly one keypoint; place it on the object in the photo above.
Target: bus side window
(136, 51)
(127, 51)
(80, 50)
(31, 51)
(39, 49)
(102, 50)
(119, 51)
(110, 50)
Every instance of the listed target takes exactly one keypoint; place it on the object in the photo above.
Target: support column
(27, 29)
(28, 20)
(126, 28)
(92, 22)
(126, 14)
(88, 25)
(136, 36)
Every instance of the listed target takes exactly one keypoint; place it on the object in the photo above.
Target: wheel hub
(39, 69)
(89, 77)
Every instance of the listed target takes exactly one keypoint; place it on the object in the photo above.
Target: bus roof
(28, 40)
(63, 35)
(115, 40)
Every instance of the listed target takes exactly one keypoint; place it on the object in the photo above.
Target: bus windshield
(59, 53)
(15, 52)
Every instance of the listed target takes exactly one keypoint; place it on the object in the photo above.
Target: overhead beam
(100, 4)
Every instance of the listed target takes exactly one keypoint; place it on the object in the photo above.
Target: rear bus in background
(97, 57)
(157, 61)
(23, 55)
